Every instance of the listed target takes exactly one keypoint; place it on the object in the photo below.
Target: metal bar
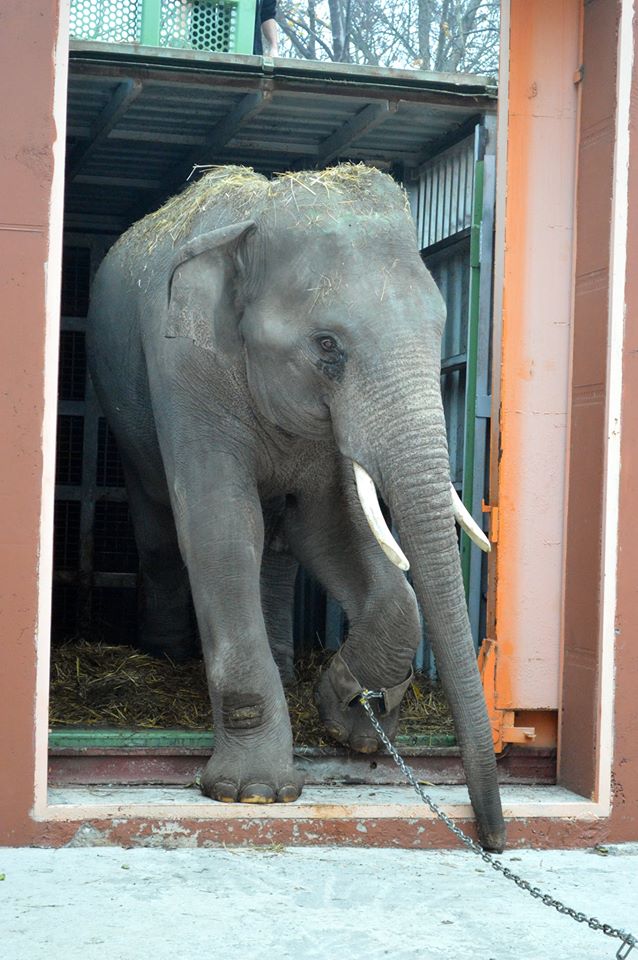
(103, 579)
(478, 565)
(151, 22)
(363, 122)
(453, 363)
(245, 26)
(470, 383)
(125, 94)
(448, 242)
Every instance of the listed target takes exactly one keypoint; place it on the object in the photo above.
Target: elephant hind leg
(278, 576)
(166, 615)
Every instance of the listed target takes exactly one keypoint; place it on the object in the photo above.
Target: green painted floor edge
(86, 738)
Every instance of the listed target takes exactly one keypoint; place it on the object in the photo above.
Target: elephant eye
(331, 356)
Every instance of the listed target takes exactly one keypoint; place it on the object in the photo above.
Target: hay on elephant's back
(94, 684)
(243, 194)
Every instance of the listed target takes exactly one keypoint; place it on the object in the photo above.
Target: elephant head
(322, 294)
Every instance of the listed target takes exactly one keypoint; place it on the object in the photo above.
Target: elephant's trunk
(402, 443)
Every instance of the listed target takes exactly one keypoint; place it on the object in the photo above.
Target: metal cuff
(348, 688)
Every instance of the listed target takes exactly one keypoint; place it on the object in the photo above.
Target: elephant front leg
(221, 535)
(329, 535)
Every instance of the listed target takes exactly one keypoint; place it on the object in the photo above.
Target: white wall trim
(53, 273)
(616, 326)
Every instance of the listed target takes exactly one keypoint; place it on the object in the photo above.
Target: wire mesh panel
(199, 25)
(66, 535)
(69, 450)
(451, 272)
(95, 560)
(109, 472)
(72, 370)
(187, 24)
(75, 281)
(113, 540)
(444, 194)
(107, 21)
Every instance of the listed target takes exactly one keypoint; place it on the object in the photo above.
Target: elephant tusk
(370, 506)
(467, 522)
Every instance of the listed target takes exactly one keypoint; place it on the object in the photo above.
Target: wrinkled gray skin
(243, 368)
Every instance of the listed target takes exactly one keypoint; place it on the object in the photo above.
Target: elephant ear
(202, 289)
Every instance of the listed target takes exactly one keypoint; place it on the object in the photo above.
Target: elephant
(267, 353)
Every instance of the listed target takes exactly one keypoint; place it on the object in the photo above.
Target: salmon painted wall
(32, 133)
(541, 116)
(33, 80)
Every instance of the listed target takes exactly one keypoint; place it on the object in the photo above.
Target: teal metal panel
(452, 200)
(217, 26)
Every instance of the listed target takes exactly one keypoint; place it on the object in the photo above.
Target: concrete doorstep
(304, 903)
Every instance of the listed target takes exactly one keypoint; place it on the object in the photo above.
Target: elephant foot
(347, 722)
(238, 776)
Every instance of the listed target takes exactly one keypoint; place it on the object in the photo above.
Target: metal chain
(628, 940)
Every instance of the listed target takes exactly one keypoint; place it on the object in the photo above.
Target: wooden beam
(133, 182)
(365, 120)
(125, 94)
(222, 133)
(279, 148)
(158, 136)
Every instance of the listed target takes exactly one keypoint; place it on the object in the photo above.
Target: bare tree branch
(447, 35)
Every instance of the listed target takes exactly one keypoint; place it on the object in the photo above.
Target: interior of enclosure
(135, 131)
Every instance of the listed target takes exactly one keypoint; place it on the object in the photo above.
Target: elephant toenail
(257, 793)
(365, 745)
(226, 792)
(288, 794)
(337, 732)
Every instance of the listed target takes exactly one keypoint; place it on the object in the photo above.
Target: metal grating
(451, 272)
(66, 535)
(109, 471)
(209, 25)
(114, 548)
(445, 192)
(69, 450)
(199, 25)
(76, 281)
(108, 21)
(72, 371)
(114, 615)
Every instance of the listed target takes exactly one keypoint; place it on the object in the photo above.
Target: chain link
(628, 940)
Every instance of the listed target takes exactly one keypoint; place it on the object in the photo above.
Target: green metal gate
(452, 198)
(219, 26)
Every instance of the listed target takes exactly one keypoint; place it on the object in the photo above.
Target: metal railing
(215, 26)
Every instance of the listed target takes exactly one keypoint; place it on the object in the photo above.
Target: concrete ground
(156, 904)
